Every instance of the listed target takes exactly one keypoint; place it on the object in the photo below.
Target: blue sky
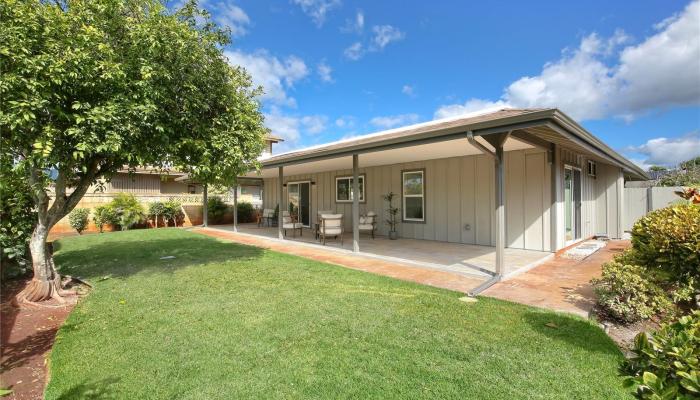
(334, 68)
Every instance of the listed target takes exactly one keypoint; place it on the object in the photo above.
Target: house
(508, 179)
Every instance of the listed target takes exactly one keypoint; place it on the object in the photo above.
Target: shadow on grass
(98, 390)
(573, 331)
(122, 255)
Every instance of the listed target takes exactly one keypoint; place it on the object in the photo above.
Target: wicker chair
(331, 225)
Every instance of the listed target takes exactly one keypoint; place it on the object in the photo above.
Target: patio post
(355, 204)
(556, 198)
(500, 211)
(280, 188)
(205, 206)
(235, 207)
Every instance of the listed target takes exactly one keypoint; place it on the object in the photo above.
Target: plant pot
(393, 235)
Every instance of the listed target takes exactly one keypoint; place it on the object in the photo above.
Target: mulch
(27, 335)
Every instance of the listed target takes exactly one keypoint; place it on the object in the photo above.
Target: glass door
(299, 201)
(572, 203)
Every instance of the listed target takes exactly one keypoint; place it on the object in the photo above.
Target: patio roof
(544, 125)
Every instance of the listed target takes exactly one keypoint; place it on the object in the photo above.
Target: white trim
(568, 243)
(361, 182)
(404, 195)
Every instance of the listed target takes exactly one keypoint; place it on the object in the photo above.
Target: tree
(92, 86)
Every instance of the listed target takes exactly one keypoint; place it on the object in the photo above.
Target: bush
(127, 210)
(172, 211)
(246, 212)
(625, 293)
(78, 219)
(155, 210)
(216, 209)
(668, 240)
(666, 364)
(103, 215)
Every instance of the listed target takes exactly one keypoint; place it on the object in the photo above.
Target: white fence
(640, 201)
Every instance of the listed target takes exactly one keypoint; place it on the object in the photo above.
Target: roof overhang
(450, 135)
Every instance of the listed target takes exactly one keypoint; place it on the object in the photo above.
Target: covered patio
(463, 259)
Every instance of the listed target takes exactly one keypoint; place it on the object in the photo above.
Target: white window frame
(592, 168)
(404, 195)
(361, 182)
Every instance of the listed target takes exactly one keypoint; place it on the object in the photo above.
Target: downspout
(497, 276)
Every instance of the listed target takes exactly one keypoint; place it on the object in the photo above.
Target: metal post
(500, 211)
(355, 204)
(205, 206)
(235, 207)
(280, 188)
(556, 193)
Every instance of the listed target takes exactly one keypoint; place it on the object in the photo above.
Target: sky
(627, 71)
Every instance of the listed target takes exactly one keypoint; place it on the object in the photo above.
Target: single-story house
(531, 179)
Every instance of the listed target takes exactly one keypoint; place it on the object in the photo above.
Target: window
(343, 189)
(591, 168)
(413, 195)
(191, 189)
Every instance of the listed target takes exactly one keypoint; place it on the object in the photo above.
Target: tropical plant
(216, 209)
(392, 211)
(156, 209)
(103, 215)
(666, 364)
(690, 194)
(127, 210)
(90, 87)
(78, 219)
(17, 219)
(626, 293)
(172, 211)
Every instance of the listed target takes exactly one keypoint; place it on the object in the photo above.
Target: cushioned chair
(289, 222)
(268, 215)
(331, 226)
(318, 220)
(368, 223)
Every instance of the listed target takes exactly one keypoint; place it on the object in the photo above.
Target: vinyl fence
(640, 201)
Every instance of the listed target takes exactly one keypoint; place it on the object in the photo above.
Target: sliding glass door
(299, 201)
(572, 203)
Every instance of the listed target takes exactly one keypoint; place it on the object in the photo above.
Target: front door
(299, 201)
(572, 203)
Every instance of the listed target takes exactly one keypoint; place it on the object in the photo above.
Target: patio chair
(331, 225)
(268, 215)
(368, 223)
(290, 222)
(317, 225)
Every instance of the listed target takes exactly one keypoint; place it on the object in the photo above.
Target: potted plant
(393, 212)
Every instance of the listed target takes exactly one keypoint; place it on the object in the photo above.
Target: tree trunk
(46, 283)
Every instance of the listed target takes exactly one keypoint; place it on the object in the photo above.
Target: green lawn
(224, 321)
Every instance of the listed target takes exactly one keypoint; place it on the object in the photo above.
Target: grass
(223, 321)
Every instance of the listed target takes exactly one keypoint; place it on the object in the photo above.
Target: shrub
(668, 240)
(666, 364)
(78, 219)
(155, 210)
(216, 209)
(127, 210)
(17, 220)
(625, 293)
(103, 215)
(172, 211)
(246, 212)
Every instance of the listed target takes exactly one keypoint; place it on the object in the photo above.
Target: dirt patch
(623, 335)
(27, 335)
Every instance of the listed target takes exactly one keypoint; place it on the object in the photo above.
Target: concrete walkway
(560, 284)
(431, 277)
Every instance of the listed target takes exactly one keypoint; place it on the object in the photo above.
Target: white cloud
(356, 25)
(667, 152)
(274, 75)
(324, 71)
(345, 122)
(228, 14)
(660, 72)
(383, 35)
(470, 106)
(391, 121)
(355, 51)
(408, 90)
(314, 124)
(317, 9)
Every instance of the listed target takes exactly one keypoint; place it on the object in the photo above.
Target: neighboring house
(520, 178)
